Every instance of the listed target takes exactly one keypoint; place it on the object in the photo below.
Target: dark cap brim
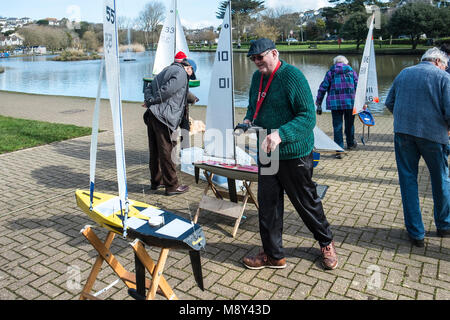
(259, 46)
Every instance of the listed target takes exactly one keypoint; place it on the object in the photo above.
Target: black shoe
(416, 242)
(353, 146)
(156, 187)
(443, 233)
(181, 189)
(338, 156)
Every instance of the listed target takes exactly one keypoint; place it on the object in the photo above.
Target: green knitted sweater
(288, 107)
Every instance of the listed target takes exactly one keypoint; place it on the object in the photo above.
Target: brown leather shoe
(181, 189)
(329, 256)
(262, 260)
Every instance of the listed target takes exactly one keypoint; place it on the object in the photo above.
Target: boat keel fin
(197, 268)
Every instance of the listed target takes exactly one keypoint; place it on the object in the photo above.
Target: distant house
(403, 2)
(11, 41)
(38, 50)
(3, 21)
(52, 22)
(26, 20)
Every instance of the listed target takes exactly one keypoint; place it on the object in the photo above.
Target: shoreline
(12, 102)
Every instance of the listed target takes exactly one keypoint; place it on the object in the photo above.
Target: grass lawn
(17, 134)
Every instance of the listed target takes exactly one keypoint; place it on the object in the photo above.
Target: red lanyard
(262, 95)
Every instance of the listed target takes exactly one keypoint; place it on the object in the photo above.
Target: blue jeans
(339, 117)
(408, 150)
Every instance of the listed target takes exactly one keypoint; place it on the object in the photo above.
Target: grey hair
(435, 53)
(340, 59)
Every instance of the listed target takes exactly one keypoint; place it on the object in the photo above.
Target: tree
(267, 31)
(415, 19)
(149, 18)
(241, 13)
(282, 18)
(315, 29)
(356, 27)
(89, 41)
(42, 22)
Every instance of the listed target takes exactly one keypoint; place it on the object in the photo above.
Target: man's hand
(319, 109)
(246, 121)
(271, 142)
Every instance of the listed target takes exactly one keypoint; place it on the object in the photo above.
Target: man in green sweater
(280, 101)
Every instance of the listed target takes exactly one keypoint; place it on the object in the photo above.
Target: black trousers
(295, 177)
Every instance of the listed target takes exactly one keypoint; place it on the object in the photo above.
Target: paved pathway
(41, 248)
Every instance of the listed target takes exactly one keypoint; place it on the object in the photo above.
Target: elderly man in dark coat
(166, 100)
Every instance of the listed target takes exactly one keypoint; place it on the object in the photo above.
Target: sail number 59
(110, 15)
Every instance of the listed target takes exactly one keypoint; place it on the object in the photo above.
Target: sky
(193, 13)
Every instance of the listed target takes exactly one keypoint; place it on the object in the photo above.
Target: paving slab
(43, 255)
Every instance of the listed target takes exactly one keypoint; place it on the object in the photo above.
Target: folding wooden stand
(135, 282)
(217, 204)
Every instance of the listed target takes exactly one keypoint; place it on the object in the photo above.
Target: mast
(232, 82)
(175, 29)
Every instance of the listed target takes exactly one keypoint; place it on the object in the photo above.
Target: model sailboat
(219, 142)
(367, 89)
(133, 219)
(171, 41)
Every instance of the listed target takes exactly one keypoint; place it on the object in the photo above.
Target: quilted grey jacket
(166, 96)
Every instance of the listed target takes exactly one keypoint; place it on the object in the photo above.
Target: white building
(26, 20)
(52, 22)
(11, 41)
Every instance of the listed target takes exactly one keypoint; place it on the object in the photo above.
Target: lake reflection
(41, 75)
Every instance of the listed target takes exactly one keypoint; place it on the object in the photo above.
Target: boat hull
(175, 233)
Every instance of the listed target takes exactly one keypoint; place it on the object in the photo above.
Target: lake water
(41, 75)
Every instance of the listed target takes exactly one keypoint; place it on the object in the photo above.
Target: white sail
(372, 82)
(219, 139)
(94, 137)
(361, 89)
(180, 44)
(111, 51)
(322, 142)
(166, 46)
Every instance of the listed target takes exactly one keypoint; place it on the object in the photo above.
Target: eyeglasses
(259, 56)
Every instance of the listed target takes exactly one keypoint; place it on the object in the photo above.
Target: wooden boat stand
(217, 204)
(136, 283)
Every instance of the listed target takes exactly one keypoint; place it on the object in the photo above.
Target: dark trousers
(160, 145)
(339, 118)
(295, 177)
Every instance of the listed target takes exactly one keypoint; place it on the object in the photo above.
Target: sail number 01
(110, 15)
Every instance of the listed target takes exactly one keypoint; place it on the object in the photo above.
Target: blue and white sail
(171, 39)
(366, 71)
(111, 52)
(219, 139)
(94, 136)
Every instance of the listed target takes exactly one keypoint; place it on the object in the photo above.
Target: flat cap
(260, 45)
